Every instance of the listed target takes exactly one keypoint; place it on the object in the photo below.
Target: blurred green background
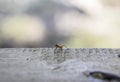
(73, 23)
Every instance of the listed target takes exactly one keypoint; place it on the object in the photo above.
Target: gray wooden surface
(49, 65)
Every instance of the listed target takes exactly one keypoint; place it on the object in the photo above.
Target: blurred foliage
(74, 23)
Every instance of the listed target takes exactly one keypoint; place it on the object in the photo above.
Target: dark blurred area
(74, 23)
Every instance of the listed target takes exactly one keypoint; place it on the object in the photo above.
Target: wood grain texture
(49, 65)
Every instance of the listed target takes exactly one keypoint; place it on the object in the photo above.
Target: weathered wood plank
(47, 64)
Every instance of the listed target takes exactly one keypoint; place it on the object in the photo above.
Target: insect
(60, 46)
(59, 54)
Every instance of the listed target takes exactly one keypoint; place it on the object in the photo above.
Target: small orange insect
(60, 46)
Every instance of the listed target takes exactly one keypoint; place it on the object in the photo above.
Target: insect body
(59, 46)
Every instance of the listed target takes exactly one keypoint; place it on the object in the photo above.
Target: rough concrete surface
(49, 65)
